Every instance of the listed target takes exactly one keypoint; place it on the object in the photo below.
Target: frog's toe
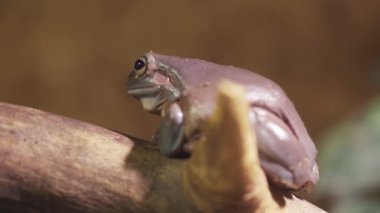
(171, 140)
(171, 136)
(299, 178)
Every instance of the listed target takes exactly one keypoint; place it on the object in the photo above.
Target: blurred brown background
(72, 57)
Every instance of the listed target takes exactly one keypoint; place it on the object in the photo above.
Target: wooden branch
(49, 163)
(56, 164)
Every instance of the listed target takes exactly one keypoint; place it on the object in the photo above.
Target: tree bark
(49, 163)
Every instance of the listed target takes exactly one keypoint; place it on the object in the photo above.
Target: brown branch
(50, 163)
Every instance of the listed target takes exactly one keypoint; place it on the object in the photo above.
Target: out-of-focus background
(72, 57)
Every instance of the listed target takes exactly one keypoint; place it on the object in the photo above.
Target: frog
(183, 91)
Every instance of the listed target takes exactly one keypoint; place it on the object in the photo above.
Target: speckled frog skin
(183, 91)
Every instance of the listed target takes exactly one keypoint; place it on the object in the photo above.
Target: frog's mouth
(151, 95)
(139, 92)
(152, 98)
(141, 86)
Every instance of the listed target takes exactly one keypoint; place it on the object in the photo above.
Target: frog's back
(201, 79)
(200, 73)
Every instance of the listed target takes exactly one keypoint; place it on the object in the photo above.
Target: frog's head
(154, 83)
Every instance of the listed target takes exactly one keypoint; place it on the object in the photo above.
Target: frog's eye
(141, 66)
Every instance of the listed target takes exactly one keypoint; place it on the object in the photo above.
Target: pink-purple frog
(183, 91)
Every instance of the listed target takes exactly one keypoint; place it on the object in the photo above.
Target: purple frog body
(183, 91)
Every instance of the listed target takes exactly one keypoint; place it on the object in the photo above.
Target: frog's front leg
(282, 156)
(170, 136)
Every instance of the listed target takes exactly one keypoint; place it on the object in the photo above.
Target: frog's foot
(282, 155)
(170, 136)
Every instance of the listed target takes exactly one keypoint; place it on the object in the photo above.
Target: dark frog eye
(141, 66)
